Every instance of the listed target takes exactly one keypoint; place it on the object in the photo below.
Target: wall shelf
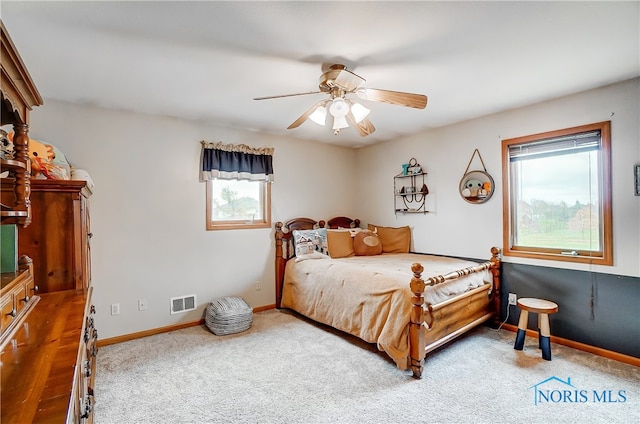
(410, 190)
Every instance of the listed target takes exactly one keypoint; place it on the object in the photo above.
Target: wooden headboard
(284, 241)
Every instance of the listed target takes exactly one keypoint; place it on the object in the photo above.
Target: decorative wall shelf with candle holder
(410, 189)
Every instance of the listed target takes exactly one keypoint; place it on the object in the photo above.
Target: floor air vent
(183, 304)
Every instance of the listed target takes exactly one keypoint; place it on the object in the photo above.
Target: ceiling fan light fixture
(339, 122)
(319, 116)
(359, 112)
(339, 108)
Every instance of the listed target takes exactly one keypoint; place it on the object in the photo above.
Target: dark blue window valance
(236, 162)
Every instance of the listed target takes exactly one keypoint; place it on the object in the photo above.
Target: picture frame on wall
(636, 173)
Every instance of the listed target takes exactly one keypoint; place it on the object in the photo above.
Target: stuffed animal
(485, 190)
(42, 161)
(471, 188)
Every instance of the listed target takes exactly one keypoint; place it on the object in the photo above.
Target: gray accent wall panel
(601, 310)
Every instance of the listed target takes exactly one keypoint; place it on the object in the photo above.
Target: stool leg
(545, 336)
(522, 330)
(539, 331)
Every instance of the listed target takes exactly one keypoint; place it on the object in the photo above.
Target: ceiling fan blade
(286, 95)
(305, 115)
(418, 101)
(347, 80)
(364, 127)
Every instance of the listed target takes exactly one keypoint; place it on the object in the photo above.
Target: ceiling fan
(339, 82)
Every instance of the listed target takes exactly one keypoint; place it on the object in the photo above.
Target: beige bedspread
(369, 296)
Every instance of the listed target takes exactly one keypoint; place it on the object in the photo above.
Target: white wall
(463, 229)
(148, 209)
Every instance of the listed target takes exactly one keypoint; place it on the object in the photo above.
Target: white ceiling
(207, 60)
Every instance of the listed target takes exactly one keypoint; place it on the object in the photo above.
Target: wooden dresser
(58, 238)
(47, 337)
(48, 367)
(18, 298)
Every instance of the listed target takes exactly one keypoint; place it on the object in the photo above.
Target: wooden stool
(543, 308)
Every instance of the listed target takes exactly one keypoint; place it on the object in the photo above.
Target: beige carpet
(288, 370)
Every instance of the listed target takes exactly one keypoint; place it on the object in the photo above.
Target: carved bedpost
(22, 187)
(497, 297)
(417, 338)
(280, 263)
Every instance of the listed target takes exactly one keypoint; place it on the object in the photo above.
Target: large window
(238, 204)
(557, 195)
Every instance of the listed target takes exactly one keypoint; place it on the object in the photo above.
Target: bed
(408, 304)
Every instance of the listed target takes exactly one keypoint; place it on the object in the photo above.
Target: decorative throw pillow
(340, 243)
(367, 243)
(394, 240)
(310, 244)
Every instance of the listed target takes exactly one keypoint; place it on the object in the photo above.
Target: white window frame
(604, 256)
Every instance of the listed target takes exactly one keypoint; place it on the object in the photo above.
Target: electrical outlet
(142, 304)
(115, 309)
(258, 285)
(513, 298)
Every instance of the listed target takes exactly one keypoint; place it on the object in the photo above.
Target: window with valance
(238, 179)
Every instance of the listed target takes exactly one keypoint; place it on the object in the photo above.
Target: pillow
(367, 243)
(394, 240)
(310, 244)
(340, 243)
(60, 160)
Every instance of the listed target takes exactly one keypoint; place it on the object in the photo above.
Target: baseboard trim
(159, 330)
(146, 333)
(264, 308)
(627, 359)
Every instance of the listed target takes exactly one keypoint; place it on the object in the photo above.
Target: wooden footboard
(431, 326)
(434, 325)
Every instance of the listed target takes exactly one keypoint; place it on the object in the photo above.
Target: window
(557, 195)
(238, 181)
(238, 204)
